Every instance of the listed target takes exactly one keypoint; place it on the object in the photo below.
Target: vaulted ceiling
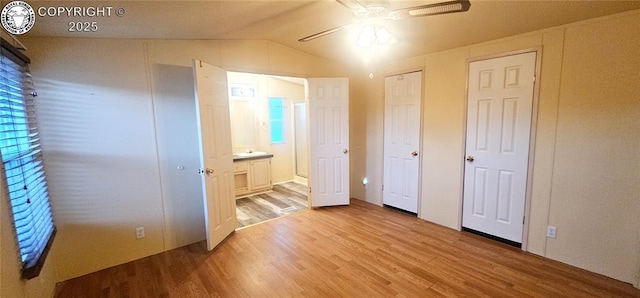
(285, 22)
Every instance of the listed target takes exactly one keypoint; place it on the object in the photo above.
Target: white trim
(532, 136)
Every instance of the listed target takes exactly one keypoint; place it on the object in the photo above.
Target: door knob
(345, 151)
(470, 158)
(414, 153)
(209, 171)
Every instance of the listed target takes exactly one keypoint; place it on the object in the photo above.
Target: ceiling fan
(380, 9)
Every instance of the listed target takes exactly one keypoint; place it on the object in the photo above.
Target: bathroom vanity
(252, 173)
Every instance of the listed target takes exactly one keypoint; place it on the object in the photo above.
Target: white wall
(585, 174)
(110, 112)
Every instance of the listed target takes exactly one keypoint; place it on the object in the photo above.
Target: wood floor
(359, 250)
(286, 198)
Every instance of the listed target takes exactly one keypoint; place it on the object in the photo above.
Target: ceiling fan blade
(321, 33)
(352, 4)
(430, 9)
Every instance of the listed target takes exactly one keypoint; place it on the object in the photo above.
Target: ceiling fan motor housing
(372, 8)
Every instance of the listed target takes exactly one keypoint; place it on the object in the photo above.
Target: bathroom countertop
(250, 156)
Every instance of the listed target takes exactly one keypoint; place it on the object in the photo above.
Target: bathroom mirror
(244, 126)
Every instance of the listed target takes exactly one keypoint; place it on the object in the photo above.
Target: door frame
(421, 131)
(532, 135)
(305, 78)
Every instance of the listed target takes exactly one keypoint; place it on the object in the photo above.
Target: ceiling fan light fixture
(378, 9)
(373, 34)
(383, 35)
(367, 36)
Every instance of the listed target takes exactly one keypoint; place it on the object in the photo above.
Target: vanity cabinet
(260, 176)
(252, 176)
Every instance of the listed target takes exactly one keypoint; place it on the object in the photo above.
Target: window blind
(22, 162)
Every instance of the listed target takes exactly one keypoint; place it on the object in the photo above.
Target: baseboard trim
(492, 237)
(400, 210)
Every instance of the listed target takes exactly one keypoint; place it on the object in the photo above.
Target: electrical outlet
(140, 233)
(551, 232)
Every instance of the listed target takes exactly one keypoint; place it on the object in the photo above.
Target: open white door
(402, 97)
(328, 102)
(216, 159)
(499, 112)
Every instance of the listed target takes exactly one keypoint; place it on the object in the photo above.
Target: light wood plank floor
(286, 198)
(359, 250)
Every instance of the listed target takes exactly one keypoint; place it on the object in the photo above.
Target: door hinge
(523, 220)
(309, 189)
(382, 187)
(534, 79)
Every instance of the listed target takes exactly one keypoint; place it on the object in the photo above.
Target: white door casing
(328, 102)
(402, 106)
(216, 160)
(499, 115)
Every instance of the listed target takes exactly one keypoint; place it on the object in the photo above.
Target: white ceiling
(285, 22)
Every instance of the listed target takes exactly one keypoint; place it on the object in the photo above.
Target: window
(242, 92)
(22, 162)
(276, 119)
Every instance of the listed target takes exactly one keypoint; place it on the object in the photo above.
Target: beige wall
(585, 176)
(283, 168)
(596, 174)
(107, 109)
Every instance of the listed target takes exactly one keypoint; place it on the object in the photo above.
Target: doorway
(262, 109)
(402, 110)
(499, 122)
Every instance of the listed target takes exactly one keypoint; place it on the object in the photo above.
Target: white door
(499, 109)
(402, 97)
(216, 160)
(328, 102)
